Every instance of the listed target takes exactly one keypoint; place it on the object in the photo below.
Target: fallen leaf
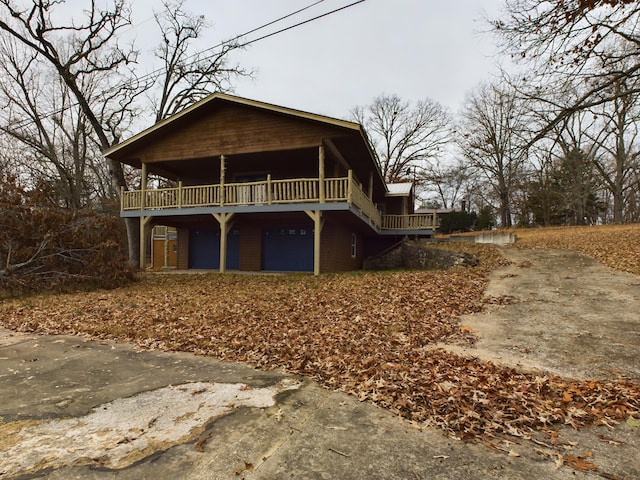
(632, 422)
(579, 463)
(609, 440)
(201, 441)
(248, 467)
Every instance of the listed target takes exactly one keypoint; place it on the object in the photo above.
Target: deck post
(370, 192)
(143, 187)
(222, 172)
(180, 194)
(321, 192)
(318, 223)
(166, 247)
(269, 192)
(223, 220)
(350, 186)
(144, 221)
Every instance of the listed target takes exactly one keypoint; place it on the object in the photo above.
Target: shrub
(458, 222)
(46, 247)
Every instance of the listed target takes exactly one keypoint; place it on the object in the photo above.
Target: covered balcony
(297, 194)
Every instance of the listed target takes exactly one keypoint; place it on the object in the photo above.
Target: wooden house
(256, 186)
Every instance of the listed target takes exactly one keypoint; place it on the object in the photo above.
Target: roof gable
(222, 124)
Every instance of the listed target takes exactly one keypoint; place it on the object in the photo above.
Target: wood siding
(250, 246)
(234, 129)
(336, 249)
(183, 248)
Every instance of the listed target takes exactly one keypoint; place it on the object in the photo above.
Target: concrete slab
(298, 430)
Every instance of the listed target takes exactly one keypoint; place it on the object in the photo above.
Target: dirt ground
(559, 312)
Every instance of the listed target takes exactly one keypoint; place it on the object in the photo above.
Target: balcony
(273, 192)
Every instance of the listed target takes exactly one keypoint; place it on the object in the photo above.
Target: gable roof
(356, 134)
(218, 96)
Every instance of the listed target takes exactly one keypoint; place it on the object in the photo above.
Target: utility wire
(156, 73)
(301, 23)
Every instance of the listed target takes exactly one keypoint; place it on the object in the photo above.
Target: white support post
(222, 172)
(318, 223)
(143, 187)
(144, 221)
(223, 220)
(321, 191)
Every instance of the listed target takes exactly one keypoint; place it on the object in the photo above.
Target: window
(354, 245)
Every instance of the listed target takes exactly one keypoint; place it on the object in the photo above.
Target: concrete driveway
(72, 408)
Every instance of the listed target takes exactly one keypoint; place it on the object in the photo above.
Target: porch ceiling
(200, 171)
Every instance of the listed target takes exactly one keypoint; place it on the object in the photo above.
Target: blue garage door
(204, 249)
(287, 249)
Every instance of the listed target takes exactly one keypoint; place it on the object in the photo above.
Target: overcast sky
(414, 48)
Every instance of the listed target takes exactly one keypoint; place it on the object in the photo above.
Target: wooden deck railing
(272, 192)
(418, 221)
(363, 203)
(266, 192)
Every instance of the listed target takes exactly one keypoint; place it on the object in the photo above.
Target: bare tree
(451, 182)
(492, 131)
(186, 76)
(618, 138)
(404, 137)
(57, 147)
(78, 50)
(579, 48)
(98, 79)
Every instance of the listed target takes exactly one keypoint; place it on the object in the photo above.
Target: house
(258, 187)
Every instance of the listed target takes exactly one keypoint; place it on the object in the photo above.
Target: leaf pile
(368, 334)
(46, 246)
(617, 246)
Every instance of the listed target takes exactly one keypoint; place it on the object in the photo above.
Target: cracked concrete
(304, 432)
(119, 433)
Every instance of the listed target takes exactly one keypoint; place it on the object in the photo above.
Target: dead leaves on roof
(369, 334)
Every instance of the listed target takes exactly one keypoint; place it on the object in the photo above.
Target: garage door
(204, 249)
(287, 249)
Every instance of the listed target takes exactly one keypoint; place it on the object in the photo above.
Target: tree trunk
(131, 224)
(505, 210)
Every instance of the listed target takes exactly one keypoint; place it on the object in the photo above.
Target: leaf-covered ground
(617, 246)
(369, 334)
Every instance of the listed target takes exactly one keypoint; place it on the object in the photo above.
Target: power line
(159, 71)
(302, 23)
(255, 40)
(156, 73)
